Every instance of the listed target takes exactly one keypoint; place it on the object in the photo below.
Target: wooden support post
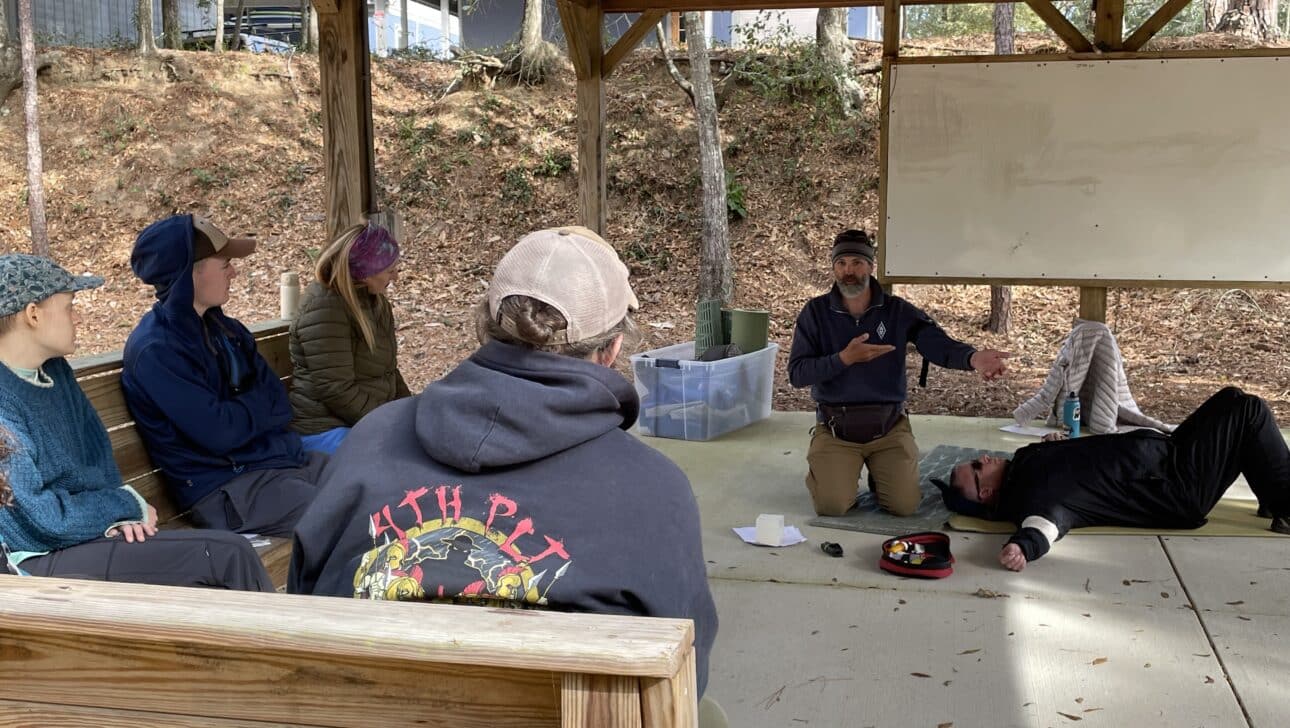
(1092, 304)
(890, 52)
(670, 703)
(1108, 28)
(583, 29)
(643, 26)
(1153, 24)
(347, 113)
(1061, 26)
(890, 29)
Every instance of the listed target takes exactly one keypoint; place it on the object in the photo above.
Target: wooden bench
(100, 378)
(81, 653)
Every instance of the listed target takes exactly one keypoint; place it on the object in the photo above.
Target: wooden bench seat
(85, 653)
(100, 379)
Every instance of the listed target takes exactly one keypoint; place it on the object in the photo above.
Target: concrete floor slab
(810, 640)
(1253, 650)
(1236, 575)
(792, 655)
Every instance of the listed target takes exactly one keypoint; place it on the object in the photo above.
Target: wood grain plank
(246, 682)
(637, 6)
(600, 701)
(152, 487)
(346, 93)
(1153, 24)
(672, 702)
(104, 392)
(131, 455)
(1092, 303)
(1064, 29)
(26, 714)
(643, 26)
(1108, 25)
(346, 628)
(891, 28)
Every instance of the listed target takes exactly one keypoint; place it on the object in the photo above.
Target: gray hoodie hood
(540, 404)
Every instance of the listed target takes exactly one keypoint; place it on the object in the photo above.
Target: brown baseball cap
(571, 269)
(209, 241)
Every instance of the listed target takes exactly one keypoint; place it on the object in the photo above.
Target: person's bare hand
(1012, 558)
(1056, 437)
(137, 531)
(992, 363)
(858, 351)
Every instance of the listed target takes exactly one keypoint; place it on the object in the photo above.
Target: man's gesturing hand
(1012, 558)
(858, 351)
(991, 363)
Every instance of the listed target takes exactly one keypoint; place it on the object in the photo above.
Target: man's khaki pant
(834, 475)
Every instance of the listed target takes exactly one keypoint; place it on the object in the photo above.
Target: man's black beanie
(852, 242)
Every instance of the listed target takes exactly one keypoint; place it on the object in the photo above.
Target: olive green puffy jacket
(337, 379)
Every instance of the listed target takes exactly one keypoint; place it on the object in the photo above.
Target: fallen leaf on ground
(1208, 679)
(970, 652)
(1233, 604)
(1069, 716)
(984, 593)
(919, 674)
(1100, 660)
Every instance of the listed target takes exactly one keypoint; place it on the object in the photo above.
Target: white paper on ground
(791, 535)
(1029, 431)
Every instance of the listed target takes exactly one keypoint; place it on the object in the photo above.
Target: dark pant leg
(206, 558)
(1233, 433)
(268, 502)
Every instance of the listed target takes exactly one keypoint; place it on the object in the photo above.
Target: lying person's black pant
(217, 559)
(1232, 433)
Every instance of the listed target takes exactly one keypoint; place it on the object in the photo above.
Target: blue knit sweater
(66, 486)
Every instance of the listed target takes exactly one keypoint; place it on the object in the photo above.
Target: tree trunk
(381, 17)
(1254, 18)
(170, 26)
(219, 24)
(536, 56)
(35, 163)
(10, 57)
(237, 26)
(835, 51)
(403, 24)
(1214, 10)
(715, 277)
(1004, 44)
(311, 30)
(143, 19)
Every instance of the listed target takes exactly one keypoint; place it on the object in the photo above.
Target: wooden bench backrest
(104, 654)
(100, 378)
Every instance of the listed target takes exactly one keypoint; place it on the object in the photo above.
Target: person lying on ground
(63, 508)
(344, 352)
(1141, 478)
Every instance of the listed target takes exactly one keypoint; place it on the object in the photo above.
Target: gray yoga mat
(931, 514)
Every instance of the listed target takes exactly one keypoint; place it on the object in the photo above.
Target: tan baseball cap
(209, 241)
(571, 269)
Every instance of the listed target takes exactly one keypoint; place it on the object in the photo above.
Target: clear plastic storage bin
(686, 399)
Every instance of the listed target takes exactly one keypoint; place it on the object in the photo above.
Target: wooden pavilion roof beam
(1061, 26)
(346, 77)
(629, 40)
(1108, 25)
(584, 35)
(1153, 24)
(636, 6)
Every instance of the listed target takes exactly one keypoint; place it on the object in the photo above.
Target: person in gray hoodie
(513, 480)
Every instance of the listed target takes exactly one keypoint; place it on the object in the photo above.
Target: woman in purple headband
(342, 344)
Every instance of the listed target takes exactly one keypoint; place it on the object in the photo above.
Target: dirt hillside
(238, 138)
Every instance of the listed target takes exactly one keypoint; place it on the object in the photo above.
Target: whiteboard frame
(1056, 280)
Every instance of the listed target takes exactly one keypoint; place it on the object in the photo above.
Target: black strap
(922, 376)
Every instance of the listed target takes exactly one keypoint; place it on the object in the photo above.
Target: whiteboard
(1146, 170)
